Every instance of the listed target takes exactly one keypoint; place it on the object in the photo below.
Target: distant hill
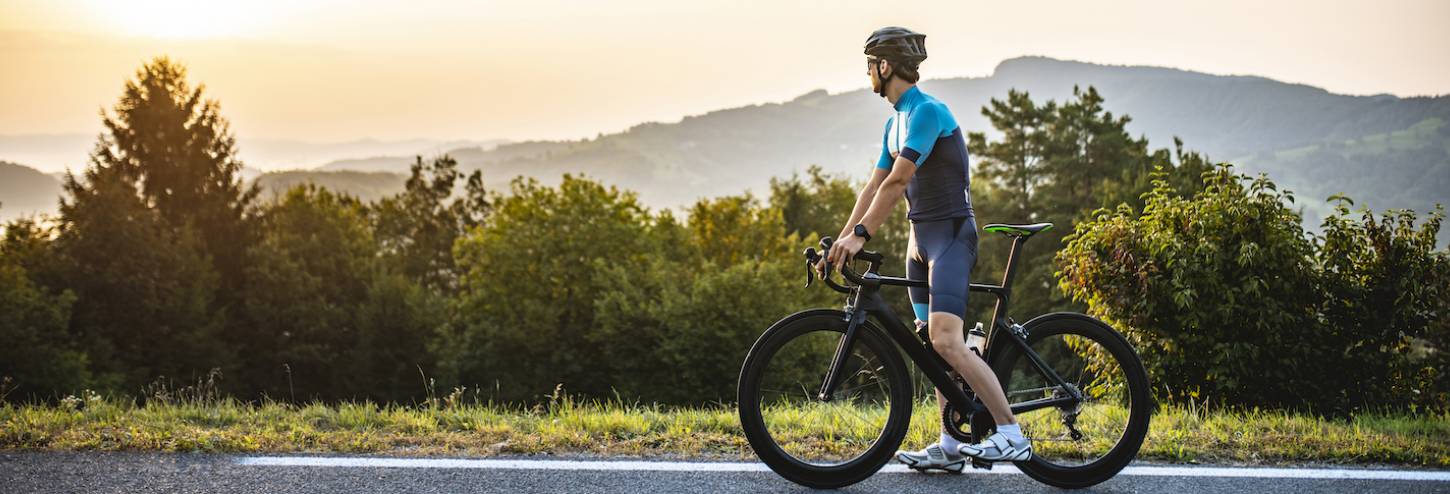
(1406, 168)
(25, 191)
(55, 152)
(367, 186)
(1243, 119)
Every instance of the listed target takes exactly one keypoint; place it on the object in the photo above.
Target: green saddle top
(1017, 230)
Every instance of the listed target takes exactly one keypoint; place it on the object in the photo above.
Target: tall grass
(452, 426)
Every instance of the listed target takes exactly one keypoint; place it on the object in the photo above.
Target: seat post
(1007, 274)
(999, 312)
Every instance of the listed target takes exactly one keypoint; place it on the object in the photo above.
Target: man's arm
(882, 202)
(864, 199)
(887, 194)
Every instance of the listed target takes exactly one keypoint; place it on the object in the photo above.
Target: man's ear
(884, 70)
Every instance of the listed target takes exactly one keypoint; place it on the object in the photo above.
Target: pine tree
(178, 151)
(1014, 162)
(153, 235)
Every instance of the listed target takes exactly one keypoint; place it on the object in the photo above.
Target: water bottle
(976, 338)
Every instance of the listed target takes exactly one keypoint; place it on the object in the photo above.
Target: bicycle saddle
(1017, 230)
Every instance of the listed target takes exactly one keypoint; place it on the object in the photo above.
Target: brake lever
(810, 266)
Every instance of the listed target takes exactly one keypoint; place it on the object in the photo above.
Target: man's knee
(946, 346)
(946, 333)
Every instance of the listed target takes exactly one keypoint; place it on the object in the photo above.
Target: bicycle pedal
(984, 465)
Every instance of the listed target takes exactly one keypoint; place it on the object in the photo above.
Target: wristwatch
(860, 231)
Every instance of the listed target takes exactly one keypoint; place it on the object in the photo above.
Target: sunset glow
(331, 70)
(184, 18)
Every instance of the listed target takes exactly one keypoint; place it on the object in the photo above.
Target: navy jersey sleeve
(927, 123)
(885, 160)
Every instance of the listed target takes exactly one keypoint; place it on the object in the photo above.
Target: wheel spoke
(1098, 417)
(821, 432)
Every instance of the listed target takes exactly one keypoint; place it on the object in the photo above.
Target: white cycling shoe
(934, 457)
(997, 447)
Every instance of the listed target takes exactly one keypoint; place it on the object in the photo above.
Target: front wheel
(833, 442)
(1075, 444)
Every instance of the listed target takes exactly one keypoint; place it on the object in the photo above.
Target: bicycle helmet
(901, 46)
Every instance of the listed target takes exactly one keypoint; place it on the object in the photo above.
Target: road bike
(826, 398)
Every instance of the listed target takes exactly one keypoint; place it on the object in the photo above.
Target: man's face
(874, 64)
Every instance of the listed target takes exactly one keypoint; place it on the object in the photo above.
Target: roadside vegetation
(562, 426)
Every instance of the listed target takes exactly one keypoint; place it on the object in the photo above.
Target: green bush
(337, 322)
(579, 285)
(38, 358)
(1387, 298)
(530, 274)
(1228, 299)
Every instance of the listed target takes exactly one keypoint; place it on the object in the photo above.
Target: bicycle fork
(867, 302)
(843, 352)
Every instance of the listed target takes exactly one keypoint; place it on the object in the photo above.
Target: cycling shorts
(941, 252)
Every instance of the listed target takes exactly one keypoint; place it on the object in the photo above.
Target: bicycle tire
(753, 423)
(1139, 392)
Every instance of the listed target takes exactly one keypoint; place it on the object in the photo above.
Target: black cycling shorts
(941, 252)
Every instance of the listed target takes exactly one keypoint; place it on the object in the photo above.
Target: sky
(539, 69)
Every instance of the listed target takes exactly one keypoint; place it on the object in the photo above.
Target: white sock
(949, 443)
(1012, 431)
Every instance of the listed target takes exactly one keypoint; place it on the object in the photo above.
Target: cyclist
(924, 155)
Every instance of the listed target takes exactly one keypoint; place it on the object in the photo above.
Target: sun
(183, 18)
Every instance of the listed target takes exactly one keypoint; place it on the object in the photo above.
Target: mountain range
(1384, 151)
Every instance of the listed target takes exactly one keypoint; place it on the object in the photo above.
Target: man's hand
(844, 249)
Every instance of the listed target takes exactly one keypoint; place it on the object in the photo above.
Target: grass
(1178, 434)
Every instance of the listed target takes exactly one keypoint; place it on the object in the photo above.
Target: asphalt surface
(26, 472)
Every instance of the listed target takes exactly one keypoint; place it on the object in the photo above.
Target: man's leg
(944, 454)
(946, 338)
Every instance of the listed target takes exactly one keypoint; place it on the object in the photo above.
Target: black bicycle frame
(865, 301)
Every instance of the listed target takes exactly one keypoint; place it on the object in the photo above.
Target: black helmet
(897, 44)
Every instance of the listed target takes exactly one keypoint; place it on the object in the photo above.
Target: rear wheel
(823, 443)
(1083, 443)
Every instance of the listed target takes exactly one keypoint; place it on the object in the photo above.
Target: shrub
(1228, 299)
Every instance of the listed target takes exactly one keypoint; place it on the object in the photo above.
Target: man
(924, 155)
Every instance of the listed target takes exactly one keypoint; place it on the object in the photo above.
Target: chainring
(958, 425)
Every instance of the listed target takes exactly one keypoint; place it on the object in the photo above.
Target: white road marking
(684, 466)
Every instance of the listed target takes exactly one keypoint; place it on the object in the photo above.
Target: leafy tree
(813, 206)
(531, 272)
(307, 276)
(1385, 290)
(818, 205)
(1215, 291)
(417, 228)
(1058, 162)
(398, 326)
(697, 328)
(337, 321)
(145, 289)
(38, 355)
(1226, 297)
(735, 229)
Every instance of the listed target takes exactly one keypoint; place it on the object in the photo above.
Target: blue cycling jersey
(924, 131)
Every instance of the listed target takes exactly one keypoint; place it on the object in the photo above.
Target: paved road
(25, 472)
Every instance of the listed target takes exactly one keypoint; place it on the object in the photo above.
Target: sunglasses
(872, 61)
